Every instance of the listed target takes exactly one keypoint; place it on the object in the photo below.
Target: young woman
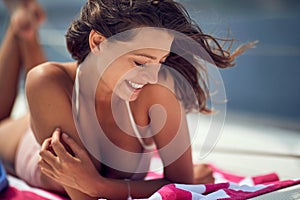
(128, 84)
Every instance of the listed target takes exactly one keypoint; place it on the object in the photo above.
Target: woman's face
(128, 74)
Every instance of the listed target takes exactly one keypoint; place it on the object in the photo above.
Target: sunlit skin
(49, 89)
(129, 80)
(54, 116)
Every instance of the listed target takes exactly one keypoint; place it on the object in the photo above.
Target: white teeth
(135, 85)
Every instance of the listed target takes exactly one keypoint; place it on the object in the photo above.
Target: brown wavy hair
(110, 17)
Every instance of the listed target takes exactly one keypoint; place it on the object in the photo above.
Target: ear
(95, 38)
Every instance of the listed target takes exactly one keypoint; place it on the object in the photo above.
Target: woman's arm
(48, 89)
(171, 138)
(98, 186)
(77, 171)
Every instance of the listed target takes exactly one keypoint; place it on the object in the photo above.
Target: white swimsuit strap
(136, 131)
(76, 86)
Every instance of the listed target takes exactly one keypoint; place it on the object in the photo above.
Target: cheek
(109, 78)
(113, 75)
(129, 74)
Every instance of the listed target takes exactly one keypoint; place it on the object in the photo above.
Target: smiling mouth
(135, 85)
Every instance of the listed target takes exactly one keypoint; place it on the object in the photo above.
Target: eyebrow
(149, 56)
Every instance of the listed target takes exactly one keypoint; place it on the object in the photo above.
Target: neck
(104, 92)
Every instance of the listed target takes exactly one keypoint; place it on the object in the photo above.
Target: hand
(203, 174)
(76, 171)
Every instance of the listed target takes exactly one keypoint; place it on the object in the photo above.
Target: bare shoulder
(51, 73)
(151, 96)
(49, 89)
(162, 92)
(51, 76)
(157, 94)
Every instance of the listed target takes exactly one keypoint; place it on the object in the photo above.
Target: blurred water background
(264, 87)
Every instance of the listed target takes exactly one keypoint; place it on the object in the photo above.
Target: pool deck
(251, 147)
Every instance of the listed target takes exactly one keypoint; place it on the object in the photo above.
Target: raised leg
(20, 48)
(26, 20)
(32, 52)
(10, 64)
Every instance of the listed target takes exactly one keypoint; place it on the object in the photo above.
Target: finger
(48, 156)
(46, 144)
(57, 146)
(49, 174)
(46, 168)
(43, 164)
(76, 148)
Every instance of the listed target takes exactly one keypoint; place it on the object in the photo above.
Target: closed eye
(139, 64)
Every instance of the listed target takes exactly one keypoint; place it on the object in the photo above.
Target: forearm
(120, 189)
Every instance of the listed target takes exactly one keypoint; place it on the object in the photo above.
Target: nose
(150, 74)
